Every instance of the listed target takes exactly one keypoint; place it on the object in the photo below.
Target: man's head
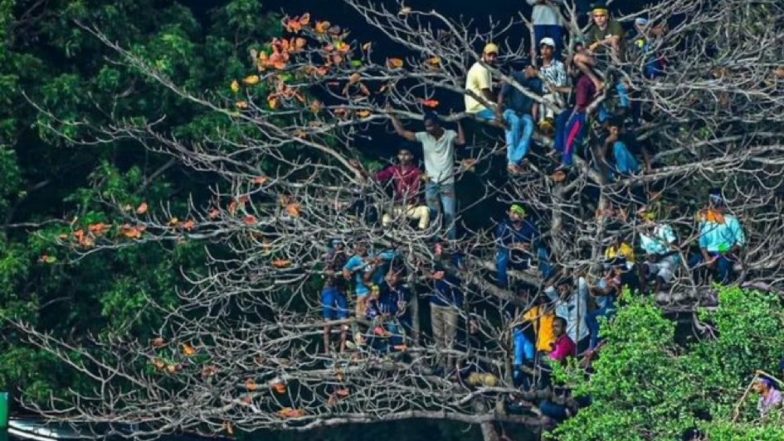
(565, 287)
(361, 248)
(431, 124)
(547, 48)
(516, 213)
(715, 199)
(559, 326)
(405, 156)
(601, 15)
(763, 385)
(641, 23)
(614, 126)
(490, 53)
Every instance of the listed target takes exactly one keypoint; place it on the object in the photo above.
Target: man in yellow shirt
(537, 325)
(479, 85)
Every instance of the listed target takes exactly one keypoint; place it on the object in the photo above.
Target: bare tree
(243, 349)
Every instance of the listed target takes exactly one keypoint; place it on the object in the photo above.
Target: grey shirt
(439, 156)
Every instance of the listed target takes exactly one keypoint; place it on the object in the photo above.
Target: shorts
(334, 304)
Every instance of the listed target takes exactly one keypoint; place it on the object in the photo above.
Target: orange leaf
(188, 350)
(321, 27)
(188, 225)
(363, 113)
(141, 209)
(433, 62)
(293, 209)
(395, 63)
(281, 263)
(430, 103)
(250, 220)
(132, 232)
(342, 47)
(158, 342)
(99, 229)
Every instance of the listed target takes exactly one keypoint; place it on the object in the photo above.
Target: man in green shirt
(605, 40)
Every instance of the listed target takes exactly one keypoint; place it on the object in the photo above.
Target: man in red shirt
(563, 347)
(407, 179)
(571, 123)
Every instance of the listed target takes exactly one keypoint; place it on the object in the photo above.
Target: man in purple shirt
(571, 123)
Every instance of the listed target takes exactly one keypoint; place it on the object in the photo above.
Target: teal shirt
(720, 238)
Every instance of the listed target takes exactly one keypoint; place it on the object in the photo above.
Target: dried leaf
(322, 27)
(235, 86)
(354, 78)
(214, 213)
(363, 113)
(433, 63)
(404, 11)
(173, 222)
(431, 103)
(158, 342)
(132, 232)
(188, 225)
(273, 102)
(395, 63)
(141, 209)
(260, 180)
(250, 219)
(99, 229)
(242, 105)
(188, 350)
(281, 263)
(293, 209)
(251, 80)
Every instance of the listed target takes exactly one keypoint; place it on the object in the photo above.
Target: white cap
(641, 21)
(548, 41)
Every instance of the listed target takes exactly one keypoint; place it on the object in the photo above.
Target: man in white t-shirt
(438, 146)
(479, 84)
(547, 22)
(555, 81)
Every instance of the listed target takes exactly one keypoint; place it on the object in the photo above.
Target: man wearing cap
(547, 22)
(657, 239)
(515, 108)
(572, 307)
(438, 146)
(555, 82)
(479, 85)
(604, 33)
(515, 237)
(721, 238)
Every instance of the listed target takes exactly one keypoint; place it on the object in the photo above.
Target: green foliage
(646, 386)
(58, 82)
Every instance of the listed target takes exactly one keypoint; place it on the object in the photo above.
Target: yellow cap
(490, 48)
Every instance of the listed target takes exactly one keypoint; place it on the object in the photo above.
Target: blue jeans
(518, 136)
(503, 258)
(592, 319)
(553, 31)
(722, 271)
(334, 304)
(524, 349)
(446, 194)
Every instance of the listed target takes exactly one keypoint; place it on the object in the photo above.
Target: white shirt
(659, 242)
(554, 74)
(545, 14)
(439, 156)
(573, 310)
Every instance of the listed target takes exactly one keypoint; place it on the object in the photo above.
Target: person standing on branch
(438, 146)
